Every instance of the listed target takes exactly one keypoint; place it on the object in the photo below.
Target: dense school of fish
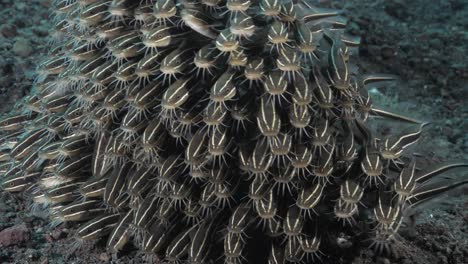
(206, 131)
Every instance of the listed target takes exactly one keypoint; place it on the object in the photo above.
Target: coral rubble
(212, 131)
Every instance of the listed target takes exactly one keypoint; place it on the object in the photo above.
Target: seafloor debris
(231, 131)
(14, 235)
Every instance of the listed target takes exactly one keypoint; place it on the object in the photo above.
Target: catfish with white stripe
(340, 75)
(276, 255)
(64, 193)
(28, 143)
(192, 211)
(280, 147)
(432, 171)
(309, 196)
(270, 8)
(242, 25)
(258, 188)
(175, 63)
(238, 6)
(124, 74)
(428, 191)
(301, 159)
(300, 118)
(325, 164)
(285, 178)
(99, 165)
(121, 10)
(289, 62)
(293, 251)
(311, 246)
(372, 164)
(147, 67)
(240, 219)
(268, 118)
(98, 227)
(160, 37)
(237, 59)
(206, 60)
(267, 208)
(73, 146)
(386, 213)
(405, 183)
(199, 22)
(172, 168)
(201, 242)
(345, 212)
(254, 71)
(14, 122)
(80, 211)
(145, 214)
(32, 162)
(224, 89)
(303, 91)
(141, 180)
(322, 91)
(233, 247)
(157, 238)
(278, 35)
(214, 114)
(146, 98)
(393, 147)
(164, 11)
(351, 191)
(180, 192)
(176, 95)
(289, 12)
(261, 159)
(133, 123)
(293, 223)
(121, 233)
(219, 144)
(322, 133)
(307, 42)
(115, 187)
(196, 151)
(19, 182)
(93, 14)
(347, 149)
(74, 167)
(226, 42)
(179, 246)
(94, 187)
(166, 211)
(125, 47)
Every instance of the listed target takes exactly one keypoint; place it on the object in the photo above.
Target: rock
(22, 47)
(387, 52)
(8, 31)
(57, 234)
(104, 257)
(14, 235)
